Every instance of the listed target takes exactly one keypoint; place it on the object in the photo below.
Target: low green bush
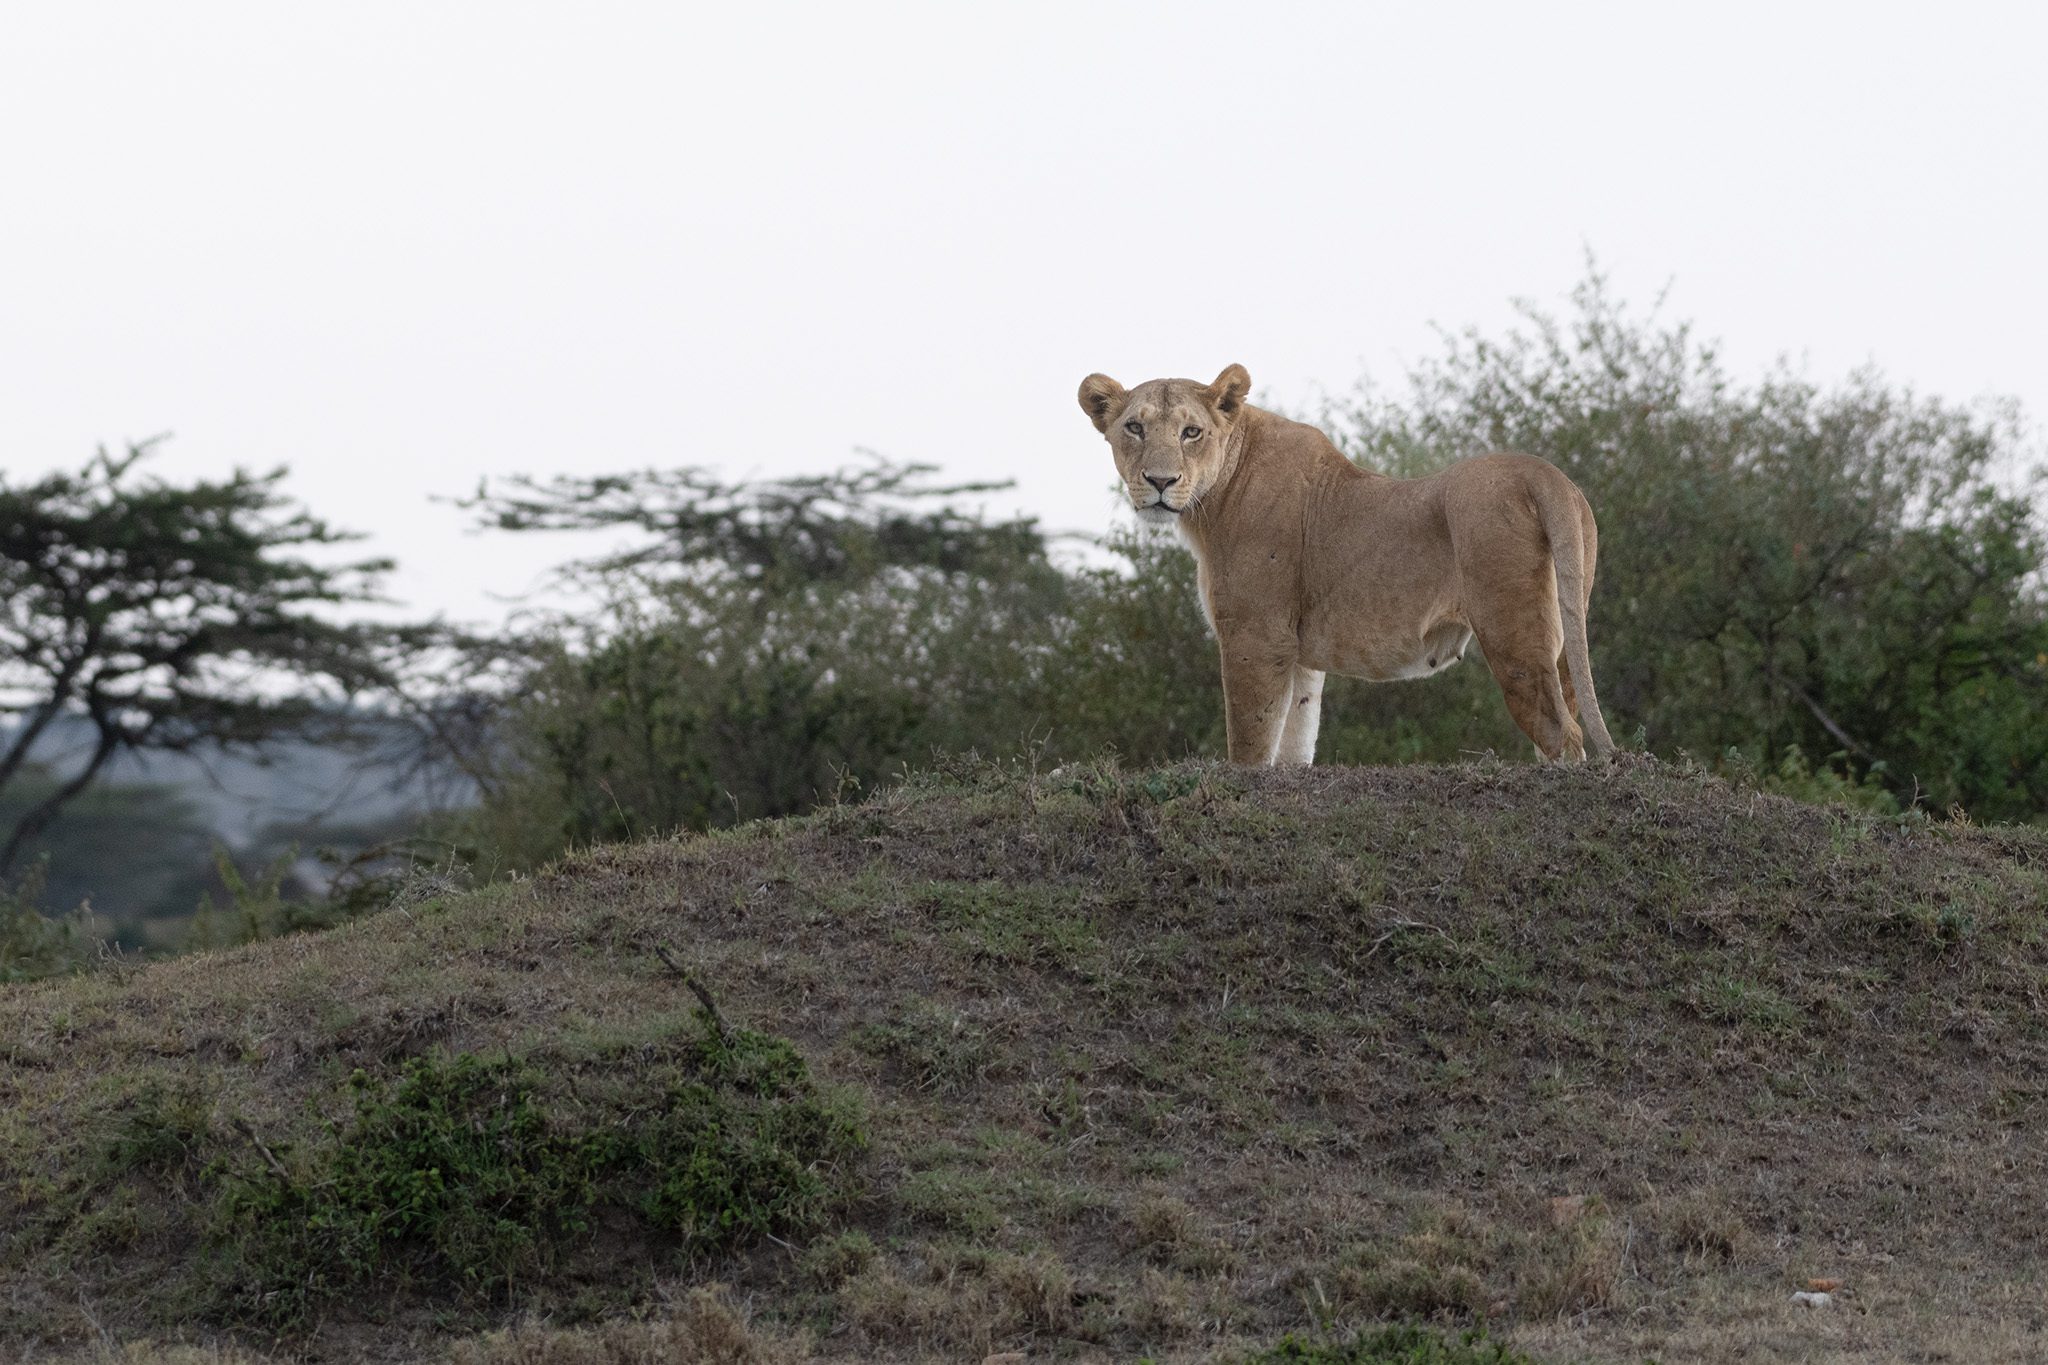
(472, 1174)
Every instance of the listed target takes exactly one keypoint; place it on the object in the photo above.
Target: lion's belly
(1387, 656)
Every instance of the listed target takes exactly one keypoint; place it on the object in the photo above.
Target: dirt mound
(1611, 1061)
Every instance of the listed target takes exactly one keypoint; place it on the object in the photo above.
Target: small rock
(1807, 1298)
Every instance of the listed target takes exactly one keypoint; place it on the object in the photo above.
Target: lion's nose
(1162, 484)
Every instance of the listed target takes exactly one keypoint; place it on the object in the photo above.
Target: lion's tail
(1574, 546)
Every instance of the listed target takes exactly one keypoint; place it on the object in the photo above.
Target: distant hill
(1169, 1063)
(139, 846)
(239, 795)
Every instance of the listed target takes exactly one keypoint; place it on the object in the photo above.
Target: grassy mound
(1089, 1065)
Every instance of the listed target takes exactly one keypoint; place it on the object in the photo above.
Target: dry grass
(1164, 1063)
(701, 1327)
(1885, 1317)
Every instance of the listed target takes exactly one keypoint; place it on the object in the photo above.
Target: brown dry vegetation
(1162, 1063)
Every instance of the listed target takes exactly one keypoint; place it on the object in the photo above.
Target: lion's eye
(1190, 433)
(1135, 428)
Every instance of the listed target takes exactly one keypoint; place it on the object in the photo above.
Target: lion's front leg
(1304, 717)
(1258, 683)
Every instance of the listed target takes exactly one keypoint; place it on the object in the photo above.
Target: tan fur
(1309, 564)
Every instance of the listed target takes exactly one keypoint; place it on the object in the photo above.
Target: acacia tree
(758, 645)
(786, 535)
(170, 616)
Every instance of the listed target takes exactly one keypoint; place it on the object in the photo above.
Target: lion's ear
(1100, 396)
(1227, 394)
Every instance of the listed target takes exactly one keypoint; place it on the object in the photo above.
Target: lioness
(1308, 564)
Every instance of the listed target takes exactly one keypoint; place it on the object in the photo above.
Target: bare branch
(277, 1167)
(696, 988)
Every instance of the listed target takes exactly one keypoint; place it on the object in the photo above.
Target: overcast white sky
(403, 246)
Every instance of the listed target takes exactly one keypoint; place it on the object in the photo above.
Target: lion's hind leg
(1564, 685)
(1535, 693)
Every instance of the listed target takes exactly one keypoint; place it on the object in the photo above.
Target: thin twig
(696, 988)
(1827, 722)
(242, 1126)
(1398, 925)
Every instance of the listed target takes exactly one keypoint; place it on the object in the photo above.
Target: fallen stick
(697, 989)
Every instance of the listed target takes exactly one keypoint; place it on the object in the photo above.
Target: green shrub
(736, 1155)
(1782, 566)
(450, 1170)
(35, 945)
(165, 1130)
(471, 1175)
(1835, 781)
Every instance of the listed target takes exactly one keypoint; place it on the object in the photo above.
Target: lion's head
(1170, 436)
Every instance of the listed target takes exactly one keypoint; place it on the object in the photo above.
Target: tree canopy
(839, 527)
(170, 615)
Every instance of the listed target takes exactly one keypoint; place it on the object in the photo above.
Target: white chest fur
(1201, 575)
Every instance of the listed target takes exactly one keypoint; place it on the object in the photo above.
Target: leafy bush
(450, 1171)
(465, 1173)
(736, 1154)
(1835, 781)
(33, 944)
(1852, 570)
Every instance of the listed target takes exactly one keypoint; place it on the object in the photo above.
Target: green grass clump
(164, 1131)
(468, 1173)
(1398, 1345)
